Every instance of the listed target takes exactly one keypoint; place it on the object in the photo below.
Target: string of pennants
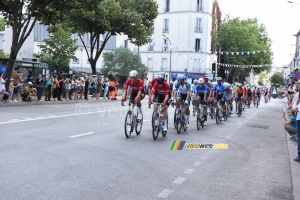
(243, 66)
(241, 53)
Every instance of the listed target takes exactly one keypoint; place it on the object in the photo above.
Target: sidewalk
(295, 167)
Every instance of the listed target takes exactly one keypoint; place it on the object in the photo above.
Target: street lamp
(170, 69)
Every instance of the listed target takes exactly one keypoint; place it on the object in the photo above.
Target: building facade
(181, 42)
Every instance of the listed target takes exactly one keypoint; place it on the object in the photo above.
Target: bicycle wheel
(178, 122)
(155, 128)
(175, 119)
(194, 109)
(240, 110)
(138, 127)
(128, 124)
(217, 115)
(212, 112)
(152, 119)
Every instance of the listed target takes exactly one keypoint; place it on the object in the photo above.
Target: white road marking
(189, 171)
(59, 116)
(179, 180)
(14, 120)
(197, 164)
(80, 135)
(53, 106)
(205, 157)
(165, 193)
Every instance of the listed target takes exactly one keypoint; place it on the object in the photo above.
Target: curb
(295, 167)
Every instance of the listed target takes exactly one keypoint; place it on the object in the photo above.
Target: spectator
(93, 86)
(16, 81)
(116, 89)
(11, 91)
(111, 89)
(49, 88)
(72, 87)
(2, 86)
(290, 125)
(99, 88)
(39, 82)
(296, 108)
(81, 87)
(60, 87)
(55, 87)
(86, 88)
(68, 83)
(26, 93)
(106, 82)
(76, 88)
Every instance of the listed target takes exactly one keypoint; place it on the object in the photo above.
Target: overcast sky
(282, 21)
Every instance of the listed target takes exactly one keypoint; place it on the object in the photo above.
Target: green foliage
(111, 17)
(59, 47)
(238, 35)
(2, 24)
(262, 76)
(2, 54)
(277, 79)
(260, 83)
(121, 62)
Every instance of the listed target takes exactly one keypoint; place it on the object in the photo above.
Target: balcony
(199, 9)
(165, 30)
(166, 10)
(199, 29)
(198, 49)
(150, 48)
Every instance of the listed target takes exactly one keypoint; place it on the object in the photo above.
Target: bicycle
(212, 110)
(194, 108)
(131, 120)
(217, 113)
(239, 106)
(249, 102)
(200, 120)
(158, 121)
(180, 118)
(258, 102)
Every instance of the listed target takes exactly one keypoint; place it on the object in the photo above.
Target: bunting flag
(243, 66)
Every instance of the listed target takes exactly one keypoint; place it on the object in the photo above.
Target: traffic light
(213, 68)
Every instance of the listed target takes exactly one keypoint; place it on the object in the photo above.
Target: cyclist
(219, 94)
(184, 93)
(229, 96)
(154, 80)
(209, 93)
(137, 87)
(245, 96)
(258, 93)
(239, 94)
(201, 93)
(249, 94)
(193, 89)
(161, 94)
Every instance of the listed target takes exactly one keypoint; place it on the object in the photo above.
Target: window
(198, 25)
(75, 60)
(126, 43)
(150, 64)
(164, 64)
(167, 6)
(151, 45)
(197, 45)
(199, 5)
(166, 25)
(165, 44)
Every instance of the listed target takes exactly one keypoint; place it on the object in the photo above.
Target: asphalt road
(79, 151)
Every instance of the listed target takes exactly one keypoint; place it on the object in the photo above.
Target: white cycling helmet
(180, 77)
(227, 85)
(195, 81)
(219, 79)
(201, 81)
(239, 85)
(133, 73)
(162, 74)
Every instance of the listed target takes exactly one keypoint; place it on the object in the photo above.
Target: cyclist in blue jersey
(182, 92)
(219, 94)
(201, 93)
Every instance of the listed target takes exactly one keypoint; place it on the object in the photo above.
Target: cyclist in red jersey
(154, 80)
(137, 87)
(161, 94)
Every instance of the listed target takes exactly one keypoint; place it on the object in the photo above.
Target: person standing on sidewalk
(49, 88)
(106, 82)
(39, 82)
(296, 108)
(55, 87)
(86, 88)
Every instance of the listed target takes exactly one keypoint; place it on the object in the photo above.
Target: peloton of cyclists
(201, 96)
(219, 94)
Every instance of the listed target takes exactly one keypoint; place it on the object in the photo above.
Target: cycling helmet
(133, 73)
(106, 80)
(161, 74)
(180, 77)
(219, 79)
(201, 81)
(239, 85)
(205, 78)
(195, 81)
(227, 85)
(160, 79)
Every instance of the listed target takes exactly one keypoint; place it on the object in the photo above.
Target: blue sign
(188, 75)
(3, 68)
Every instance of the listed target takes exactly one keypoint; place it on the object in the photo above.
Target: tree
(59, 47)
(2, 54)
(238, 35)
(2, 24)
(262, 76)
(121, 62)
(111, 17)
(277, 79)
(21, 16)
